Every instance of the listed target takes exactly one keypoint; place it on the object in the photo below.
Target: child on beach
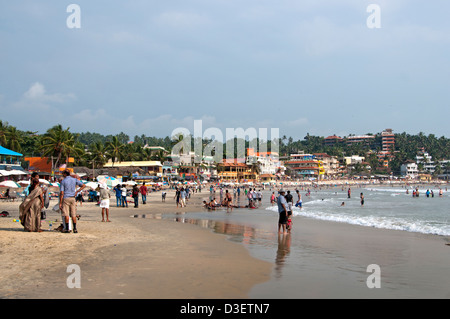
(289, 223)
(272, 199)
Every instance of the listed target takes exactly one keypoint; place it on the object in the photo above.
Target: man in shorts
(282, 210)
(67, 203)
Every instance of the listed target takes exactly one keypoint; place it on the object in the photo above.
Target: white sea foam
(385, 222)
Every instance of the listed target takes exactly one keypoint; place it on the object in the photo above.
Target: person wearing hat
(282, 211)
(104, 201)
(67, 194)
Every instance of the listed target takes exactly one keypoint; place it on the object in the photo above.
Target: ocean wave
(382, 222)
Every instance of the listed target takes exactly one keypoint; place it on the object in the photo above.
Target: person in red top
(143, 190)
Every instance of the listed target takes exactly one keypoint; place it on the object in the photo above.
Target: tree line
(94, 149)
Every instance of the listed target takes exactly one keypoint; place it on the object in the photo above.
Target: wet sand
(126, 258)
(143, 258)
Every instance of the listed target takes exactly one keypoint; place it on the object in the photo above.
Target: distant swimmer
(343, 204)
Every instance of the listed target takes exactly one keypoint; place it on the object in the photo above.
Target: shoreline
(144, 258)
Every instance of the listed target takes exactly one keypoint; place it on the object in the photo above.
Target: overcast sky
(148, 67)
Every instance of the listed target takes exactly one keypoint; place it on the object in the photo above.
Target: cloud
(36, 106)
(37, 94)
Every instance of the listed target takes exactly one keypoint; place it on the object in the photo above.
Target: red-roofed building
(333, 140)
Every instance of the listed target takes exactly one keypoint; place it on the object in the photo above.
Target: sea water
(384, 207)
(300, 254)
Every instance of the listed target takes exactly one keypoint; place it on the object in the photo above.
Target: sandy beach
(126, 258)
(150, 258)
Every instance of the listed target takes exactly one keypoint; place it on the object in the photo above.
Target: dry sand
(126, 258)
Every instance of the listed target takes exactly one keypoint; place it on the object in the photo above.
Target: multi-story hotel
(364, 139)
(305, 165)
(333, 140)
(387, 141)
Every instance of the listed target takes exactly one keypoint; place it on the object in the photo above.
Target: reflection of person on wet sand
(284, 247)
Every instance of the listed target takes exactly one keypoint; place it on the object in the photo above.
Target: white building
(349, 160)
(409, 169)
(269, 162)
(426, 160)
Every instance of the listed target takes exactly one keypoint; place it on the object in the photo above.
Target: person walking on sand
(104, 202)
(178, 197)
(118, 192)
(228, 200)
(67, 195)
(183, 197)
(143, 190)
(282, 211)
(135, 195)
(124, 196)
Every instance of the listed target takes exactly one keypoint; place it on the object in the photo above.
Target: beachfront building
(268, 162)
(425, 161)
(10, 165)
(330, 164)
(207, 169)
(305, 166)
(234, 170)
(147, 168)
(354, 159)
(409, 169)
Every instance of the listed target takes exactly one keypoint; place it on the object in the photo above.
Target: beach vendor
(30, 209)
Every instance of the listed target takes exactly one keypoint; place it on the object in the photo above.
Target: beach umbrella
(10, 184)
(92, 185)
(44, 181)
(108, 181)
(24, 182)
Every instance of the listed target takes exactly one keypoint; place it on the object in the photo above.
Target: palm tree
(15, 139)
(58, 143)
(4, 128)
(98, 154)
(115, 149)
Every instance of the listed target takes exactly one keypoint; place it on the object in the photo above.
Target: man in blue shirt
(67, 203)
(118, 191)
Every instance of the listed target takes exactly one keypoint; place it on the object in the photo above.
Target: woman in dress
(31, 207)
